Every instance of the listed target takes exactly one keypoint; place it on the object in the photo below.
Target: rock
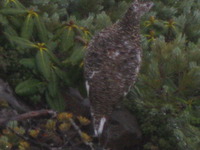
(6, 94)
(121, 132)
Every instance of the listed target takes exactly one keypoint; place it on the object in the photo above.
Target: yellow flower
(34, 133)
(71, 25)
(69, 115)
(85, 31)
(170, 24)
(50, 125)
(19, 130)
(84, 121)
(40, 46)
(151, 36)
(86, 137)
(150, 22)
(64, 127)
(23, 145)
(31, 12)
(64, 116)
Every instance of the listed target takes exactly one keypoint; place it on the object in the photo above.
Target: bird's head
(139, 8)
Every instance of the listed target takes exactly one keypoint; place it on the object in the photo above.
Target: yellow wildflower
(86, 137)
(151, 36)
(34, 133)
(170, 24)
(23, 145)
(64, 116)
(150, 22)
(84, 121)
(71, 25)
(40, 46)
(31, 12)
(64, 127)
(19, 130)
(50, 125)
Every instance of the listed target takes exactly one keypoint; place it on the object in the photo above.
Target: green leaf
(42, 31)
(43, 64)
(18, 4)
(27, 28)
(77, 55)
(3, 20)
(54, 58)
(16, 22)
(28, 87)
(58, 33)
(57, 103)
(9, 31)
(28, 62)
(12, 11)
(53, 84)
(62, 75)
(67, 40)
(24, 43)
(102, 20)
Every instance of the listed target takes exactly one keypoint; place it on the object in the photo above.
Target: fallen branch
(27, 115)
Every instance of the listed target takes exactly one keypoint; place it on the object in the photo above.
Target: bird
(112, 62)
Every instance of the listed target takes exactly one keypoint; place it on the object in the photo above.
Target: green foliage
(39, 45)
(166, 96)
(28, 87)
(43, 45)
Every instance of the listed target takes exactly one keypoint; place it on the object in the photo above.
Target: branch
(90, 144)
(27, 115)
(6, 94)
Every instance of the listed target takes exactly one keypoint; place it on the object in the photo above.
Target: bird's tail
(98, 124)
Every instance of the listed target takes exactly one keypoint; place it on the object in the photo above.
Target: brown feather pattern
(112, 62)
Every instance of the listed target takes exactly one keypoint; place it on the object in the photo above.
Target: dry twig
(27, 115)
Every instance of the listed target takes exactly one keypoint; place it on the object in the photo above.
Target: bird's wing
(96, 54)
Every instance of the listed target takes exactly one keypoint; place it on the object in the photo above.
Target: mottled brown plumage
(112, 63)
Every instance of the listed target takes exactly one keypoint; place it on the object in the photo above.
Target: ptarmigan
(112, 63)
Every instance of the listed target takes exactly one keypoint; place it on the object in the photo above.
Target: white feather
(95, 133)
(93, 73)
(137, 70)
(116, 54)
(113, 55)
(125, 93)
(139, 56)
(139, 60)
(87, 87)
(102, 123)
